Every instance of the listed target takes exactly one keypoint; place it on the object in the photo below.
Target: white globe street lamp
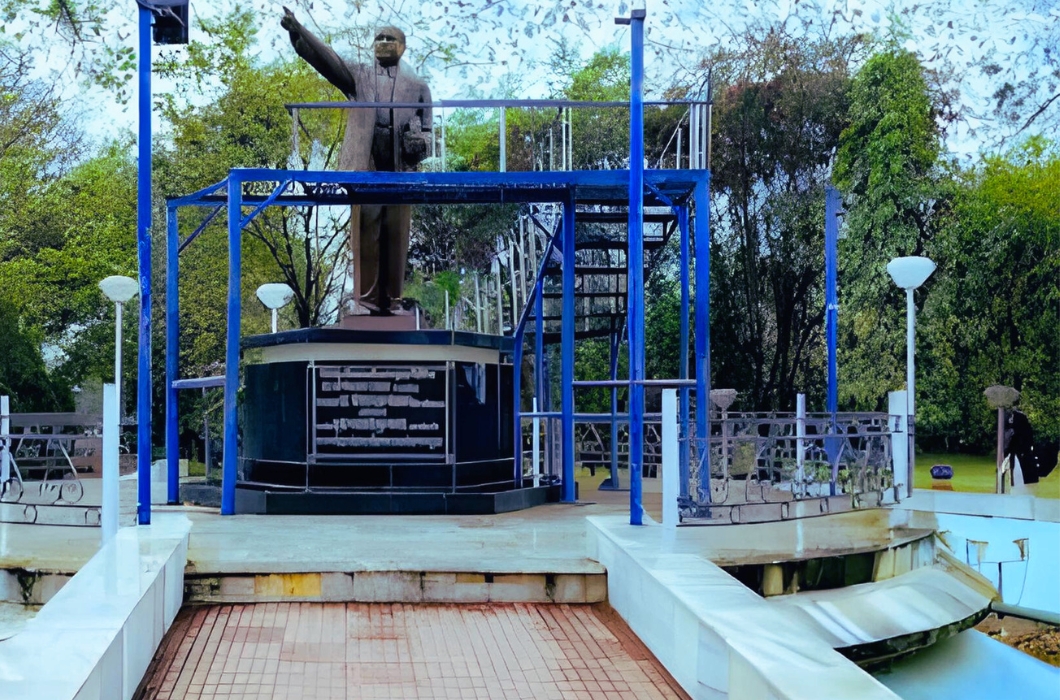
(909, 273)
(275, 296)
(119, 290)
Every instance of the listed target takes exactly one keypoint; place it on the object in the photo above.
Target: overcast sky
(503, 45)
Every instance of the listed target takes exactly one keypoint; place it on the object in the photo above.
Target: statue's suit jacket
(365, 146)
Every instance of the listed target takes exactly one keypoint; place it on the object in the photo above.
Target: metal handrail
(488, 104)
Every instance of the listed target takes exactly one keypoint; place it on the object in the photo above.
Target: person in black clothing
(1036, 461)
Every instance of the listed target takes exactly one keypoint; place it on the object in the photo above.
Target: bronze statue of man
(386, 138)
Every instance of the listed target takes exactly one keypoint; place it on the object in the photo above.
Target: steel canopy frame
(261, 188)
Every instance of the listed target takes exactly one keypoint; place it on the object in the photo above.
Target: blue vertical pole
(831, 266)
(172, 354)
(682, 225)
(615, 483)
(539, 343)
(567, 350)
(231, 438)
(517, 389)
(831, 300)
(702, 329)
(635, 260)
(143, 244)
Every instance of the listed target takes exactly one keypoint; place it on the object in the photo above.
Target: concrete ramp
(971, 665)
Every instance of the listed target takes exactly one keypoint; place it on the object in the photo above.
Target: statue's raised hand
(288, 22)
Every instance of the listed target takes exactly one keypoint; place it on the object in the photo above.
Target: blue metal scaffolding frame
(677, 188)
(681, 190)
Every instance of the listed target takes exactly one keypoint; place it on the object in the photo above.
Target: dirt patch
(1038, 639)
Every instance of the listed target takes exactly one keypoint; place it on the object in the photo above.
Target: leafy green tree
(247, 125)
(67, 220)
(780, 106)
(888, 168)
(85, 223)
(993, 315)
(38, 144)
(23, 375)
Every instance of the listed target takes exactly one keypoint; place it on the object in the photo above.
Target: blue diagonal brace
(197, 198)
(662, 197)
(201, 228)
(549, 247)
(268, 201)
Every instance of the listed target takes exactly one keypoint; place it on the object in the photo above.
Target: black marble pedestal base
(337, 420)
(272, 502)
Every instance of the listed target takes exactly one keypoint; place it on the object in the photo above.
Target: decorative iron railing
(763, 467)
(770, 467)
(44, 454)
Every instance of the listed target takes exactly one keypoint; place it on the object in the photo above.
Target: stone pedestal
(378, 421)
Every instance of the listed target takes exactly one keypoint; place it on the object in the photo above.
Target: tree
(66, 221)
(84, 225)
(247, 125)
(780, 106)
(38, 143)
(887, 166)
(993, 314)
(23, 375)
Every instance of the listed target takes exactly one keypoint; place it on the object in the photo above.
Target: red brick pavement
(350, 651)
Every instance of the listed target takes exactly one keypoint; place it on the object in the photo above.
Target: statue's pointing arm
(319, 55)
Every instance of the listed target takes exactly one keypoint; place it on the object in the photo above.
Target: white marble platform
(987, 505)
(1020, 557)
(13, 618)
(719, 639)
(548, 539)
(96, 636)
(972, 665)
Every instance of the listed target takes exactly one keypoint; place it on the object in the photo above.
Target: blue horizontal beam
(619, 383)
(336, 187)
(198, 383)
(594, 417)
(196, 197)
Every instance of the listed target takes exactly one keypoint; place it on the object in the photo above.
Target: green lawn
(974, 473)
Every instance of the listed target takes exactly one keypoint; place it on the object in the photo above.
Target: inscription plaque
(363, 413)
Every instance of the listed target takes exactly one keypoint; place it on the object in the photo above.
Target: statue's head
(389, 45)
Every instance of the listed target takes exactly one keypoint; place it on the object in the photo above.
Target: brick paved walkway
(347, 651)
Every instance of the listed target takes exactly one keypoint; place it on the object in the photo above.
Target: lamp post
(275, 296)
(909, 273)
(120, 290)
